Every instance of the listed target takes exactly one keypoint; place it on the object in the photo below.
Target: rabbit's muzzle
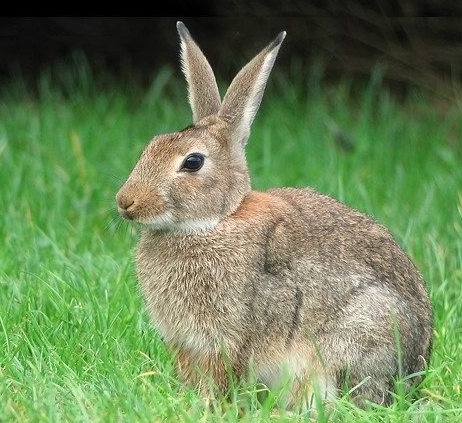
(135, 203)
(125, 205)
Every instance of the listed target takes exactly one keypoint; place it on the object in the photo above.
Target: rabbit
(290, 285)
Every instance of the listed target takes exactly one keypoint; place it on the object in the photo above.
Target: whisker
(111, 223)
(110, 210)
(114, 177)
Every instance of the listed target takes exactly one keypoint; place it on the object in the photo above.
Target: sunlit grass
(75, 341)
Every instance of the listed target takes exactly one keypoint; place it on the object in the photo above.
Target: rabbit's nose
(125, 203)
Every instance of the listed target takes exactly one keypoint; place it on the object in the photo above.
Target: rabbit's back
(362, 293)
(340, 238)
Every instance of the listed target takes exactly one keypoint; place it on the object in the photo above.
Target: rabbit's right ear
(203, 93)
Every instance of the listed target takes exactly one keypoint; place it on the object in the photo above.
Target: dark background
(406, 39)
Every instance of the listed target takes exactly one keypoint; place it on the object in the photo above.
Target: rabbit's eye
(193, 162)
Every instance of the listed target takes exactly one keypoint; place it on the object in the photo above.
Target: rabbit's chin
(167, 222)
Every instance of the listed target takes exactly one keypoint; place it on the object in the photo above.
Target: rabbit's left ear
(204, 96)
(243, 98)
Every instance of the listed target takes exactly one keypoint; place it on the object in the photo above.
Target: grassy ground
(75, 341)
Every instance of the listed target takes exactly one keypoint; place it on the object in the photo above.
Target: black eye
(193, 162)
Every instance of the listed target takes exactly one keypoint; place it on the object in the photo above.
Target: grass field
(75, 341)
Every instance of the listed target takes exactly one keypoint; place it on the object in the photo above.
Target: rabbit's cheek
(154, 206)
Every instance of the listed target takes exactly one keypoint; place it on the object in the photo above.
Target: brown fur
(288, 283)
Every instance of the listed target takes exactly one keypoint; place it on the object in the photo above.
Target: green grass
(75, 341)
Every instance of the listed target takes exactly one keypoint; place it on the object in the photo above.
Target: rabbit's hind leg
(298, 380)
(206, 373)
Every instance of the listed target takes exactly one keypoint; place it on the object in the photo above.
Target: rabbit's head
(192, 179)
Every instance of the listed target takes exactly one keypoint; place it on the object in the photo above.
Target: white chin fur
(166, 221)
(194, 226)
(161, 222)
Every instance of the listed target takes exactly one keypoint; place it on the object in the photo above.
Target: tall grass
(75, 341)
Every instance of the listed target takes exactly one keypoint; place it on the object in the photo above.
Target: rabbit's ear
(204, 96)
(244, 95)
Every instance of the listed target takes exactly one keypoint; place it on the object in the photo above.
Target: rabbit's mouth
(156, 221)
(126, 213)
(137, 213)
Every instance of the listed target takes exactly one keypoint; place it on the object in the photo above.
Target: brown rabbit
(302, 290)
